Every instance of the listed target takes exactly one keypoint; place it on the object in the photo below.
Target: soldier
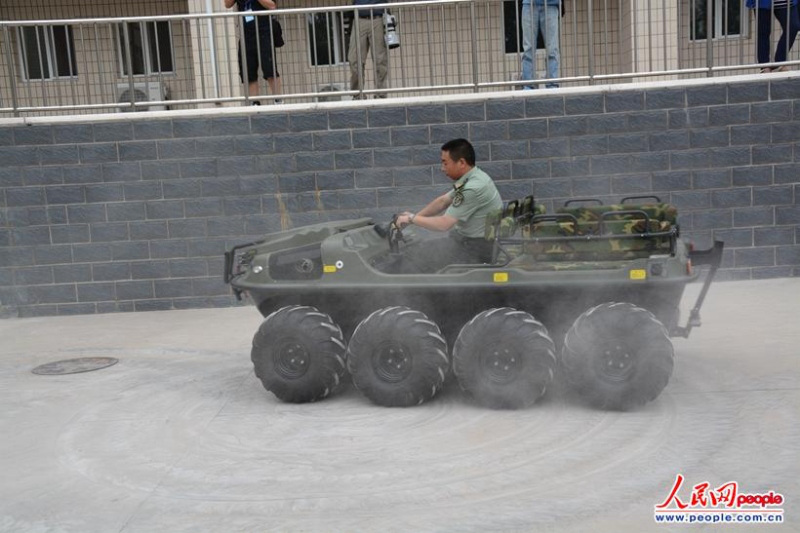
(461, 211)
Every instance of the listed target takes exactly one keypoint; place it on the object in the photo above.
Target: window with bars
(725, 18)
(150, 45)
(47, 52)
(326, 39)
(512, 29)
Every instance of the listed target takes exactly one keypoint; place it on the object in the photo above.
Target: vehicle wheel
(397, 357)
(504, 358)
(298, 354)
(617, 356)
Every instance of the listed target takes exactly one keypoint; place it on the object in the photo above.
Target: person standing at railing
(786, 13)
(540, 16)
(258, 45)
(367, 33)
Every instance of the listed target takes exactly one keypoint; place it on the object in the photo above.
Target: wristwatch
(411, 218)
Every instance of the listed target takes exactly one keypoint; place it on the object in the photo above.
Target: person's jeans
(790, 23)
(535, 19)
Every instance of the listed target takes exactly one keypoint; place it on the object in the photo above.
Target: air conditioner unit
(146, 91)
(332, 88)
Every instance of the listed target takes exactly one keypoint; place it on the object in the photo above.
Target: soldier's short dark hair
(460, 149)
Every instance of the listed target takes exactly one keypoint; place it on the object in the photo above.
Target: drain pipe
(212, 48)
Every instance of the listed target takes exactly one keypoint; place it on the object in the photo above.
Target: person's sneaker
(255, 102)
(278, 101)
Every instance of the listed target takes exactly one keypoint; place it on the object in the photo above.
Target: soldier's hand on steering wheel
(404, 219)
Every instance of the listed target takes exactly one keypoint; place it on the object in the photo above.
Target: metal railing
(77, 66)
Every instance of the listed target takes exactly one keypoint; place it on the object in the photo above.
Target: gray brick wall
(135, 215)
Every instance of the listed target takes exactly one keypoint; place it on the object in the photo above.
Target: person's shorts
(255, 45)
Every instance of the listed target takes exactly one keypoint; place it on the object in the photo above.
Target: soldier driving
(462, 211)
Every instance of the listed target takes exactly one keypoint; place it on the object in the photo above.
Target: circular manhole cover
(75, 366)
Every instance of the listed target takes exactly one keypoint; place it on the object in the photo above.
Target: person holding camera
(367, 33)
(258, 46)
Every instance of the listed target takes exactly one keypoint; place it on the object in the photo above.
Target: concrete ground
(181, 436)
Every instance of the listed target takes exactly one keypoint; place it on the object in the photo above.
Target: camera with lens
(390, 30)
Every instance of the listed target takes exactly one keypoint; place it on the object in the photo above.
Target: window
(150, 47)
(47, 52)
(512, 19)
(726, 18)
(326, 39)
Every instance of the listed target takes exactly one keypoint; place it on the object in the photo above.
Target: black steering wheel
(392, 233)
(395, 235)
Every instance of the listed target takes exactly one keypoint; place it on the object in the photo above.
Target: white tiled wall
(98, 66)
(439, 47)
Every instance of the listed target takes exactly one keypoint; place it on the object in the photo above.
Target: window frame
(335, 26)
(49, 60)
(147, 48)
(718, 17)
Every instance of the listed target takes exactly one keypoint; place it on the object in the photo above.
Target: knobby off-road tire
(504, 358)
(397, 357)
(298, 354)
(617, 356)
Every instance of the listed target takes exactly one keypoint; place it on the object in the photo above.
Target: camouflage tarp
(591, 222)
(505, 222)
(593, 213)
(583, 234)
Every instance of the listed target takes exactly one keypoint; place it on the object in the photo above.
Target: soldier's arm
(436, 206)
(427, 216)
(435, 223)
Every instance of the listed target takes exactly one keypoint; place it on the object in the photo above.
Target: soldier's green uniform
(474, 196)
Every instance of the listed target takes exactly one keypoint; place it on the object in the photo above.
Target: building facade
(188, 57)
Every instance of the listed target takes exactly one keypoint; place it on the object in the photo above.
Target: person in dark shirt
(258, 45)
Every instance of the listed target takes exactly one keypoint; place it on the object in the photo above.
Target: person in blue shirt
(544, 16)
(786, 13)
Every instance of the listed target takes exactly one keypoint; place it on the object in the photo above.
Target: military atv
(591, 291)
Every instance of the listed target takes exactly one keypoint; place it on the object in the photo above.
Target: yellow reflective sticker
(638, 274)
(329, 269)
(500, 277)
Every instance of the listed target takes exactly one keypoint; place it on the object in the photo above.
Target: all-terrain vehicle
(591, 291)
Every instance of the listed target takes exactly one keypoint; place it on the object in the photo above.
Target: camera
(390, 30)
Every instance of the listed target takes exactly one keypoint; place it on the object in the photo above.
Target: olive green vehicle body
(554, 267)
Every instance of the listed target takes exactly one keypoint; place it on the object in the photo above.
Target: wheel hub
(292, 360)
(616, 362)
(501, 365)
(392, 362)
